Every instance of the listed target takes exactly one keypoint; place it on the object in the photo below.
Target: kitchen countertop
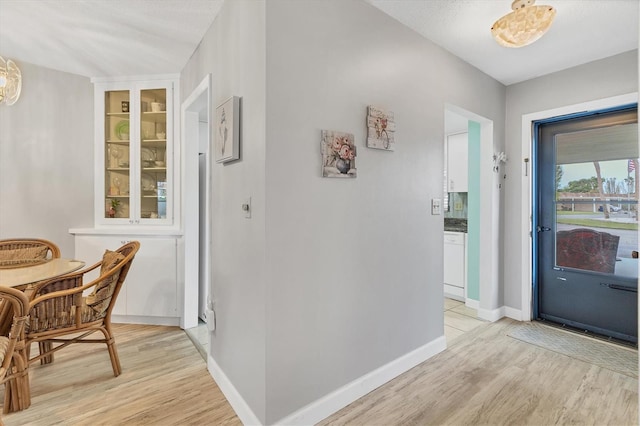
(455, 225)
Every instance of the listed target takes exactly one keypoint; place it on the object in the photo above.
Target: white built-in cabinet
(457, 162)
(150, 288)
(136, 192)
(455, 265)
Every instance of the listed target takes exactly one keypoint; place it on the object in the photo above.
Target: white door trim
(525, 182)
(197, 103)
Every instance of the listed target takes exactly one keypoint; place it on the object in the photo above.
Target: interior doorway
(481, 291)
(197, 198)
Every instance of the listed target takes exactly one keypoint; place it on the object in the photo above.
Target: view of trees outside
(603, 201)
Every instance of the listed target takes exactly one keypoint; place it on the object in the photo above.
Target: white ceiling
(134, 37)
(98, 38)
(583, 31)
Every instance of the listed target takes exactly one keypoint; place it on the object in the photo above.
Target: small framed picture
(338, 154)
(125, 106)
(227, 130)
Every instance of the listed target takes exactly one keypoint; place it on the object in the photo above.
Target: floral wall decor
(338, 154)
(381, 129)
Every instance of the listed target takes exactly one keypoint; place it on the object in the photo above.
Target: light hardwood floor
(484, 377)
(164, 381)
(459, 320)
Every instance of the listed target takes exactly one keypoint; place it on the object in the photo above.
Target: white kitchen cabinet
(149, 294)
(135, 167)
(455, 271)
(458, 162)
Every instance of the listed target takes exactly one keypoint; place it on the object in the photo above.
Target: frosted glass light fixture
(10, 82)
(526, 24)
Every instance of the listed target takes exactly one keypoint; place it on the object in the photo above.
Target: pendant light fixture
(10, 82)
(526, 24)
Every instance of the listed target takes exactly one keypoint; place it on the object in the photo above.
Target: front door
(586, 222)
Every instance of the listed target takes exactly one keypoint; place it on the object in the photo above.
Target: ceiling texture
(98, 38)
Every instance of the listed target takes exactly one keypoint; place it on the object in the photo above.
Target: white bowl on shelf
(157, 107)
(159, 163)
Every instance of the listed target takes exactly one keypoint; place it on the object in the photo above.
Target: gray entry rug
(587, 349)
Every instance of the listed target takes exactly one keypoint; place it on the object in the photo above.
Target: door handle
(542, 228)
(620, 287)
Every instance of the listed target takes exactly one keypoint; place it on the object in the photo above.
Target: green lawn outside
(592, 223)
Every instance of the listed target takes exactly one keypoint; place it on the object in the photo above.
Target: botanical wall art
(227, 130)
(381, 129)
(338, 154)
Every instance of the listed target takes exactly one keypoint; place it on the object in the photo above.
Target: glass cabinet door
(117, 154)
(134, 153)
(153, 153)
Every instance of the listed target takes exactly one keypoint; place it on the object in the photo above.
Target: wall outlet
(246, 208)
(436, 206)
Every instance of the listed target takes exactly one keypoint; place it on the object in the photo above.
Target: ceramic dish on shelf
(122, 130)
(148, 183)
(147, 154)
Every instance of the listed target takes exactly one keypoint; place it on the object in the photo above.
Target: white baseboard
(239, 405)
(492, 315)
(341, 397)
(470, 303)
(515, 314)
(136, 319)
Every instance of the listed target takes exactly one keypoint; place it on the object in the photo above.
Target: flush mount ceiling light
(10, 82)
(526, 24)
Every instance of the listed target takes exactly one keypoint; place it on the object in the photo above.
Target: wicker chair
(13, 362)
(61, 314)
(15, 253)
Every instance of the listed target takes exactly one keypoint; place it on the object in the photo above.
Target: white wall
(608, 77)
(233, 51)
(354, 267)
(46, 157)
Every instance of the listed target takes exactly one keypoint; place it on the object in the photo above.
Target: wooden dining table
(25, 278)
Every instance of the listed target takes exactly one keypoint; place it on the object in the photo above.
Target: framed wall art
(227, 130)
(381, 129)
(338, 154)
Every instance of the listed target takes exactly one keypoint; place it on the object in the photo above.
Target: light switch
(436, 206)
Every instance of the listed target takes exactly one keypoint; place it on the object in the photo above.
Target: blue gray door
(586, 222)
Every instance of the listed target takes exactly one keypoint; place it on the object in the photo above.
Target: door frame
(195, 108)
(488, 305)
(527, 164)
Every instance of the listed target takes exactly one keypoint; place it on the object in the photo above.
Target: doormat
(587, 349)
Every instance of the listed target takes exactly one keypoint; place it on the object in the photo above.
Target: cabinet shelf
(118, 169)
(118, 114)
(154, 117)
(118, 142)
(154, 169)
(154, 143)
